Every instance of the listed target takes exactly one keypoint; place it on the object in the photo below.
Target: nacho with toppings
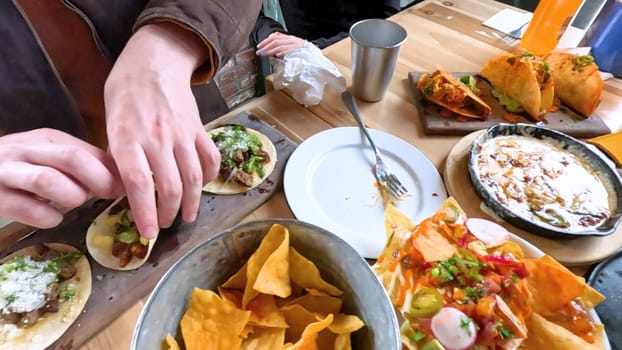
(457, 96)
(43, 289)
(277, 300)
(477, 290)
(113, 240)
(521, 82)
(247, 159)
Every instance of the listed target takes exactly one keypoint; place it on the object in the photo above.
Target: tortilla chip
(267, 269)
(170, 343)
(590, 296)
(548, 335)
(307, 274)
(265, 338)
(319, 304)
(273, 278)
(343, 342)
(432, 245)
(554, 286)
(345, 324)
(265, 313)
(297, 317)
(238, 280)
(210, 322)
(308, 340)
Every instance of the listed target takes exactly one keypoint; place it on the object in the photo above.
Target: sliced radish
(452, 328)
(490, 233)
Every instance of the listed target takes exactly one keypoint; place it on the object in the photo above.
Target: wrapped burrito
(578, 84)
(444, 89)
(522, 83)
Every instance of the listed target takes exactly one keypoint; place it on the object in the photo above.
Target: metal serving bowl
(590, 157)
(215, 260)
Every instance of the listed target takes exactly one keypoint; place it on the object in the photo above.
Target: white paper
(508, 20)
(305, 73)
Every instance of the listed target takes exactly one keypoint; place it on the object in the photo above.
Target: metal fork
(385, 176)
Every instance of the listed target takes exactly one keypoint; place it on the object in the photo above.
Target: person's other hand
(44, 169)
(154, 130)
(278, 44)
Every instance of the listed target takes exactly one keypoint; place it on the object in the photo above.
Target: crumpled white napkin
(305, 72)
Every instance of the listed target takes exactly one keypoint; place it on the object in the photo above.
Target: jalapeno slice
(425, 303)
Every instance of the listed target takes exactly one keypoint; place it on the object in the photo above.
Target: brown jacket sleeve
(223, 25)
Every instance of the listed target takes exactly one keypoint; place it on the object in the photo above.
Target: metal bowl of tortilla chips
(268, 284)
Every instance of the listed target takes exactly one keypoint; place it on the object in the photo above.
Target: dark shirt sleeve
(389, 8)
(264, 27)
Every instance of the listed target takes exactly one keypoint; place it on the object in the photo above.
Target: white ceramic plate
(534, 252)
(329, 182)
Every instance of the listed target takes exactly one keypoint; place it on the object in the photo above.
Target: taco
(247, 159)
(113, 240)
(461, 283)
(43, 290)
(578, 84)
(460, 97)
(521, 83)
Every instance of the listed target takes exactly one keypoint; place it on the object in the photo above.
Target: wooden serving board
(564, 120)
(114, 292)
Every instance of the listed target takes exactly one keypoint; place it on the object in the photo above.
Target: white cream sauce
(540, 181)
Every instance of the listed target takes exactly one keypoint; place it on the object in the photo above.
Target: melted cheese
(540, 181)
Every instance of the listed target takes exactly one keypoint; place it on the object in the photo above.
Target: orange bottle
(549, 22)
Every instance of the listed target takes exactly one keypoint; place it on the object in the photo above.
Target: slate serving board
(113, 292)
(564, 120)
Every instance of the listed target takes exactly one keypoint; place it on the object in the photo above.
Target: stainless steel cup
(376, 46)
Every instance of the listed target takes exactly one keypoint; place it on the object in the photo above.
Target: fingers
(209, 156)
(135, 172)
(89, 166)
(42, 181)
(92, 169)
(279, 44)
(24, 207)
(168, 184)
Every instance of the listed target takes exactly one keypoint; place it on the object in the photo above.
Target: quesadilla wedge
(113, 240)
(442, 88)
(522, 83)
(43, 290)
(247, 159)
(578, 84)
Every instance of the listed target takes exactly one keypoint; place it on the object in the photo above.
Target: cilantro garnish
(504, 332)
(465, 322)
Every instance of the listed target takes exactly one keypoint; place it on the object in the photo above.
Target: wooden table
(448, 33)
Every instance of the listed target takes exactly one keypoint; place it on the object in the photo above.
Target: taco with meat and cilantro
(247, 159)
(113, 240)
(43, 290)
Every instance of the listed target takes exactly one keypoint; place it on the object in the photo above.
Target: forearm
(166, 47)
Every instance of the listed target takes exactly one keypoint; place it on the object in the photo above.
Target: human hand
(278, 44)
(44, 169)
(154, 130)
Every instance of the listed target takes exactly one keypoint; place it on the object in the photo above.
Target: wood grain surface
(114, 292)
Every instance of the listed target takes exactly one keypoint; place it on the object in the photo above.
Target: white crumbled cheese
(24, 284)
